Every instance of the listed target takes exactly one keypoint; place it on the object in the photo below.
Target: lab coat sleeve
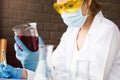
(115, 70)
(58, 57)
(114, 73)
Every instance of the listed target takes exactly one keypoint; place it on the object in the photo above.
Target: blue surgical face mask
(75, 19)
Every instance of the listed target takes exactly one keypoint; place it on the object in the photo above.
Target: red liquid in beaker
(31, 42)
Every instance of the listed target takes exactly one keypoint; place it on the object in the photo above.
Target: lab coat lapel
(98, 58)
(70, 46)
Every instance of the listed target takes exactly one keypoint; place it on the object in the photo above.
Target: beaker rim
(25, 25)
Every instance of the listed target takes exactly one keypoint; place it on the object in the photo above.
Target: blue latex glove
(27, 58)
(10, 72)
(3, 74)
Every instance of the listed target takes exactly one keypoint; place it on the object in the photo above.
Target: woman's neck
(88, 22)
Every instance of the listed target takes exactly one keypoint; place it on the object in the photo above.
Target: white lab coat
(101, 48)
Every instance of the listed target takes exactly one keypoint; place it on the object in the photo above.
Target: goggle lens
(69, 6)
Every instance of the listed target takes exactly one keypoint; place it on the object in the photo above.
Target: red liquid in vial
(31, 42)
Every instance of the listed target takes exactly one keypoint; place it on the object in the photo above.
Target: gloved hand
(3, 74)
(10, 72)
(27, 58)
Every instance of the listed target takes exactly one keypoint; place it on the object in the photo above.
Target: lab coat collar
(97, 19)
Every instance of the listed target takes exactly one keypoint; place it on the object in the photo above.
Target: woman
(90, 37)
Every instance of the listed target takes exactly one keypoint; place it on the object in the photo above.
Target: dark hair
(95, 7)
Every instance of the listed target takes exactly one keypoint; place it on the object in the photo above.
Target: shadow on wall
(111, 10)
(1, 21)
(6, 32)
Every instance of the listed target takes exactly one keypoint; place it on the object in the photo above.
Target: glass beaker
(42, 71)
(82, 72)
(28, 35)
(59, 74)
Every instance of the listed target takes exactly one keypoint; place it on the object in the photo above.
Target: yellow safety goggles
(69, 6)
